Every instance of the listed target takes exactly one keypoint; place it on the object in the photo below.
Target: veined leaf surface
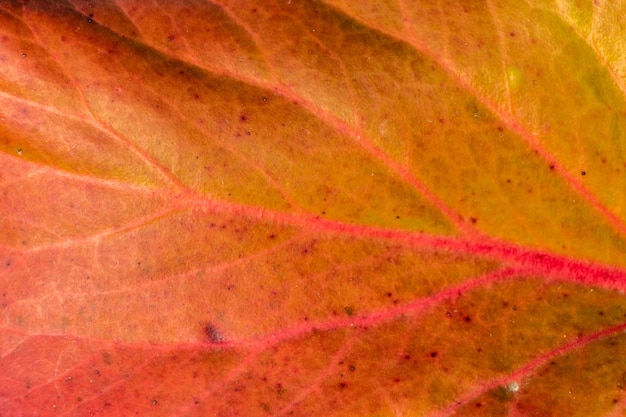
(312, 208)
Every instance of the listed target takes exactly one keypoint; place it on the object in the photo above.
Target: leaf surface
(312, 208)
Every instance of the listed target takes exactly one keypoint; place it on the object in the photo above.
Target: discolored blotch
(349, 310)
(106, 358)
(212, 333)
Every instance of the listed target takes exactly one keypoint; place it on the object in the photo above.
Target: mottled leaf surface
(312, 208)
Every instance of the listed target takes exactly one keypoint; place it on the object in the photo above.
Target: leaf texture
(306, 208)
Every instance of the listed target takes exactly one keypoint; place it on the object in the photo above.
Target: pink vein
(221, 383)
(530, 367)
(510, 122)
(532, 261)
(366, 321)
(93, 123)
(129, 226)
(341, 127)
(322, 375)
(40, 169)
(101, 125)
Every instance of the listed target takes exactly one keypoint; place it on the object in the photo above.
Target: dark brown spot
(243, 118)
(433, 354)
(473, 220)
(583, 173)
(212, 333)
(468, 319)
(352, 368)
(552, 167)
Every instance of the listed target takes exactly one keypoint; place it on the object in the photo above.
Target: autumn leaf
(312, 208)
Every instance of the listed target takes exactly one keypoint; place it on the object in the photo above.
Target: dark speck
(473, 220)
(154, 402)
(583, 173)
(468, 319)
(212, 333)
(352, 368)
(433, 354)
(552, 167)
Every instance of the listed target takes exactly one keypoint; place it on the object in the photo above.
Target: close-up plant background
(312, 208)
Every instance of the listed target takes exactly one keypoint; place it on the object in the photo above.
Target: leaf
(312, 208)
